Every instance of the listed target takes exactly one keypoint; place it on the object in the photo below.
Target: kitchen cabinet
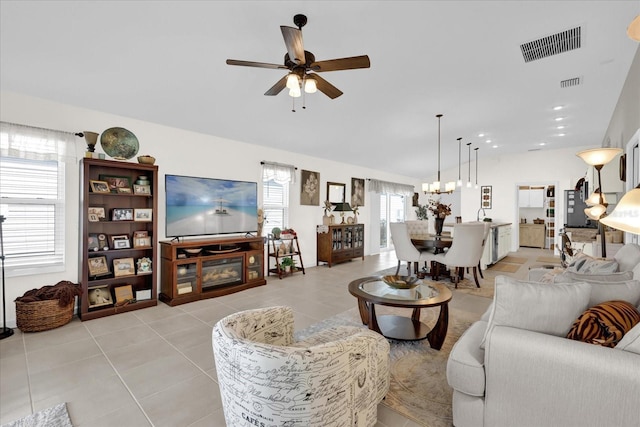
(532, 235)
(530, 197)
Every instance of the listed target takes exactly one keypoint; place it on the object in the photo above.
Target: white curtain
(278, 172)
(26, 142)
(385, 187)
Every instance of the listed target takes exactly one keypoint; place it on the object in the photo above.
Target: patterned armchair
(336, 377)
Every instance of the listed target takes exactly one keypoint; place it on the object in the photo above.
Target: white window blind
(275, 201)
(32, 171)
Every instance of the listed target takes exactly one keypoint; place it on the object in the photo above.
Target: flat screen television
(206, 206)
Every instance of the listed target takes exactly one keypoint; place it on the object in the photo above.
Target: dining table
(435, 243)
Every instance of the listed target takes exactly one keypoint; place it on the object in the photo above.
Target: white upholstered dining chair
(405, 249)
(334, 377)
(465, 251)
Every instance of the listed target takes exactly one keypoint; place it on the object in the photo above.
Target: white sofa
(335, 377)
(514, 367)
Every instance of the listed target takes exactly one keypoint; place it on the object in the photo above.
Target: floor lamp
(598, 157)
(6, 332)
(626, 215)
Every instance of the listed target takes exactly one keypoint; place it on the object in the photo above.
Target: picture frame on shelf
(142, 189)
(120, 242)
(98, 266)
(99, 296)
(123, 267)
(124, 190)
(143, 215)
(122, 214)
(99, 186)
(142, 242)
(93, 244)
(93, 218)
(143, 294)
(123, 294)
(143, 266)
(116, 182)
(98, 211)
(103, 243)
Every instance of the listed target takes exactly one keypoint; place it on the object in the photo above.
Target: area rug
(465, 286)
(548, 259)
(56, 416)
(418, 388)
(513, 260)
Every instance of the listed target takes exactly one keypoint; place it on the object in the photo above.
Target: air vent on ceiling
(574, 81)
(554, 44)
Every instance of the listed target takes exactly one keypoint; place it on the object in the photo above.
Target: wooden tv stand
(207, 268)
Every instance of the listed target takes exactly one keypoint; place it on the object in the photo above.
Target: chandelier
(435, 188)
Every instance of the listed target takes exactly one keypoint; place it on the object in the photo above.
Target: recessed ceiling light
(543, 143)
(488, 141)
(559, 119)
(561, 134)
(560, 127)
(494, 146)
(481, 135)
(558, 107)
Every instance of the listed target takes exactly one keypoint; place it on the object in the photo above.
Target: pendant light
(435, 187)
(469, 180)
(459, 183)
(476, 150)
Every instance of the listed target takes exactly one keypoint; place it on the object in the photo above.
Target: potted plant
(276, 232)
(287, 264)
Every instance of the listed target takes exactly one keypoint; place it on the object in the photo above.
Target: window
(275, 201)
(392, 209)
(32, 171)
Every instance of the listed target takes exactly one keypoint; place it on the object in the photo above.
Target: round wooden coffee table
(372, 290)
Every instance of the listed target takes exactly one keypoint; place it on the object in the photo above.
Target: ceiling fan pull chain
(293, 105)
(304, 100)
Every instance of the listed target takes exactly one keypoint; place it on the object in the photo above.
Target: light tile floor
(154, 367)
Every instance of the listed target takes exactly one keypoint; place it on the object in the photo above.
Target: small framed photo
(124, 294)
(116, 182)
(103, 243)
(99, 186)
(122, 214)
(140, 233)
(145, 214)
(98, 211)
(124, 190)
(98, 266)
(93, 218)
(142, 242)
(123, 267)
(99, 296)
(141, 189)
(120, 242)
(92, 244)
(144, 265)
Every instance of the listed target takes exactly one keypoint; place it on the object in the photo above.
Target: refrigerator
(574, 210)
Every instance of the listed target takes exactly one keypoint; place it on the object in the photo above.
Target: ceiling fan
(302, 63)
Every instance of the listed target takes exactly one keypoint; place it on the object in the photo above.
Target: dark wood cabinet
(206, 268)
(338, 243)
(118, 250)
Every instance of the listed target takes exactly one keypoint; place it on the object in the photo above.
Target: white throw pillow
(631, 340)
(538, 307)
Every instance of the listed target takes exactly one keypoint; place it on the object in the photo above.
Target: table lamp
(342, 208)
(598, 157)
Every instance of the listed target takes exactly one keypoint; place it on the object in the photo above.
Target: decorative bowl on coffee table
(401, 282)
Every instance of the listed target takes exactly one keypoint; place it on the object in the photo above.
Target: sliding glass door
(392, 209)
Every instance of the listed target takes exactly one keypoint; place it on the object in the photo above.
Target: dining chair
(487, 229)
(405, 250)
(465, 251)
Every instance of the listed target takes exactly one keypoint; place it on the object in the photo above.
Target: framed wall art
(309, 188)
(485, 196)
(357, 192)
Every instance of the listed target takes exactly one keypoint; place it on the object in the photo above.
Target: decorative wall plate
(119, 143)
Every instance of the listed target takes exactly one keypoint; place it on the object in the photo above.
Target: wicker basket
(42, 315)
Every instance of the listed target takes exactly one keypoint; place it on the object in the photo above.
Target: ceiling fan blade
(350, 63)
(277, 88)
(293, 41)
(325, 87)
(256, 64)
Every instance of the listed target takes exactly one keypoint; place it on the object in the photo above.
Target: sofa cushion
(628, 257)
(631, 340)
(539, 307)
(465, 365)
(628, 291)
(620, 276)
(636, 272)
(605, 324)
(588, 265)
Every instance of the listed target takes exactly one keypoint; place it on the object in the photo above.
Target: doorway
(392, 209)
(536, 209)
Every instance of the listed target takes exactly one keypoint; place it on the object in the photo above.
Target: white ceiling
(164, 62)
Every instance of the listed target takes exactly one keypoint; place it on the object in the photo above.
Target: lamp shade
(595, 212)
(633, 30)
(594, 198)
(310, 85)
(343, 207)
(626, 215)
(293, 81)
(599, 156)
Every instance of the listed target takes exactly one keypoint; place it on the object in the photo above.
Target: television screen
(204, 206)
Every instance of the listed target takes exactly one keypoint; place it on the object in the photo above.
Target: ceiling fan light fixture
(310, 85)
(295, 92)
(293, 81)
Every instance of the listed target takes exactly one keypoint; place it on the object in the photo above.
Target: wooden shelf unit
(342, 242)
(92, 169)
(223, 265)
(292, 251)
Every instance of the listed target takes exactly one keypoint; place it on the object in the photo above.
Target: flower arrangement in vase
(440, 211)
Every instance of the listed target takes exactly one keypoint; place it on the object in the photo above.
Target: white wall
(178, 152)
